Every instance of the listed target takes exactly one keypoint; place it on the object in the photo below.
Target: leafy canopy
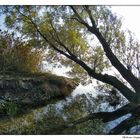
(16, 55)
(59, 25)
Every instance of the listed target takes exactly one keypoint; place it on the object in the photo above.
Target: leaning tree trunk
(132, 96)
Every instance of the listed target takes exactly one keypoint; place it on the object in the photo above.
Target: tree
(16, 55)
(67, 31)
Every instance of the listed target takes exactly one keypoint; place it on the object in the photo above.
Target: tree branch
(90, 15)
(104, 116)
(42, 35)
(127, 75)
(79, 17)
(60, 42)
(128, 93)
(125, 125)
(103, 78)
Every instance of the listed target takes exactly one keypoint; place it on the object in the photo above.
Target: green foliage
(59, 25)
(2, 107)
(19, 125)
(54, 118)
(92, 127)
(16, 55)
(131, 48)
(48, 119)
(47, 126)
(9, 108)
(58, 28)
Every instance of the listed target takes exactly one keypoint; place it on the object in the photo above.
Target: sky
(131, 18)
(1, 21)
(130, 21)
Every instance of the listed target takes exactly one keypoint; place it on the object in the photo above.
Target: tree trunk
(126, 74)
(133, 97)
